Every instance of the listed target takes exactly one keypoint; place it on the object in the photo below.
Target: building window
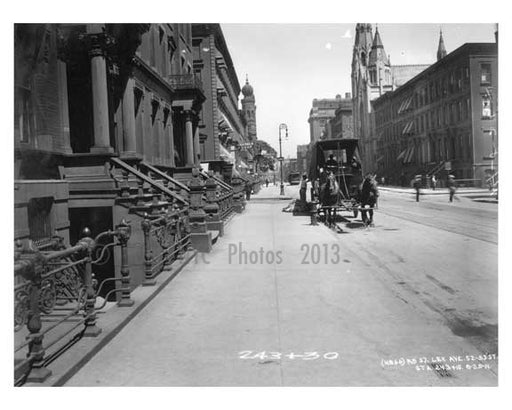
(152, 50)
(163, 50)
(373, 76)
(486, 106)
(24, 115)
(485, 73)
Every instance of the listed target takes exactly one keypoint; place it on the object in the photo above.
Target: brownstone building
(105, 116)
(223, 126)
(442, 120)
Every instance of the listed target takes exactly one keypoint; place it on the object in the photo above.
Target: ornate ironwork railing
(185, 82)
(220, 193)
(166, 239)
(55, 296)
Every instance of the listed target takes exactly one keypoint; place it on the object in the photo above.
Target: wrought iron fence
(55, 296)
(166, 239)
(185, 81)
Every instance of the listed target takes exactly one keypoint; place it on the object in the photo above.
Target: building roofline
(466, 48)
(410, 65)
(216, 30)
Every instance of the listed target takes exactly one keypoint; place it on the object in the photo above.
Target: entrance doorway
(98, 220)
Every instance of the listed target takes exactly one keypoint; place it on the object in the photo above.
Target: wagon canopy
(342, 149)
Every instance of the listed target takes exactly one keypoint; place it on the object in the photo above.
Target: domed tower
(249, 109)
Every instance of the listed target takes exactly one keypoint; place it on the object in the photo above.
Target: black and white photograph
(227, 200)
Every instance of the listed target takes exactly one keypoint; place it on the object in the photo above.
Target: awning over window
(408, 128)
(406, 104)
(401, 155)
(408, 157)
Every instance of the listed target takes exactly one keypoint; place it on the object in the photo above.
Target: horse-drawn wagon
(336, 176)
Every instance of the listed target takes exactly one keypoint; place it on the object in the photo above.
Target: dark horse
(329, 193)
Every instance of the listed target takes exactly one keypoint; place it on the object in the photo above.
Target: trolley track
(457, 229)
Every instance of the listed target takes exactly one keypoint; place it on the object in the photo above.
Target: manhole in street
(391, 229)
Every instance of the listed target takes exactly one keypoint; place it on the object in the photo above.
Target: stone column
(197, 148)
(189, 138)
(99, 94)
(129, 136)
(63, 105)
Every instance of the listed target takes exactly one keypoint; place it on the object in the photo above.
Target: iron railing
(55, 298)
(166, 239)
(185, 82)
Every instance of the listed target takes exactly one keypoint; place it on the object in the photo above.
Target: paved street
(410, 302)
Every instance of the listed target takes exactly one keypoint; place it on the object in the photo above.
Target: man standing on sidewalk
(452, 186)
(417, 186)
(303, 187)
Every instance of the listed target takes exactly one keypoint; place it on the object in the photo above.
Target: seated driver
(331, 164)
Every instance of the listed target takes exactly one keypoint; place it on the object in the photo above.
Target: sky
(289, 65)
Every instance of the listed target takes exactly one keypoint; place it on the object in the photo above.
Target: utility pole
(281, 127)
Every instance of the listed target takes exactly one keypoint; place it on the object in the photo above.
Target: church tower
(441, 50)
(360, 58)
(379, 68)
(249, 109)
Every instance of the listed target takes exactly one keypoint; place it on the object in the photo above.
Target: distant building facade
(321, 112)
(341, 125)
(303, 158)
(222, 124)
(442, 121)
(372, 76)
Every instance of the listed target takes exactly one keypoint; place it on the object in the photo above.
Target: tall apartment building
(442, 120)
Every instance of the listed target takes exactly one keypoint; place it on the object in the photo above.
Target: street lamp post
(285, 127)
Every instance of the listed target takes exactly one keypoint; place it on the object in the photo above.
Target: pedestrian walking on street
(417, 185)
(266, 182)
(369, 196)
(248, 190)
(452, 187)
(434, 182)
(303, 187)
